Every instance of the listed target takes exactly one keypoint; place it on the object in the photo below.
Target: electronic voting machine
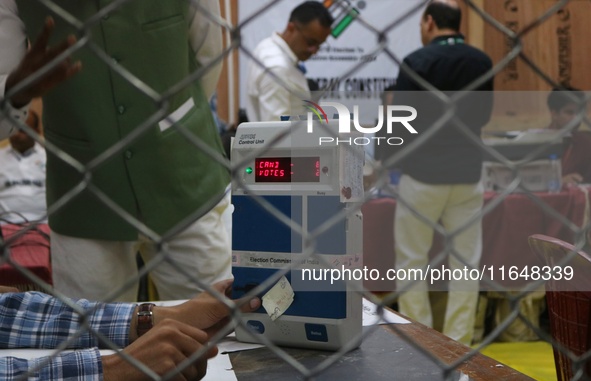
(297, 191)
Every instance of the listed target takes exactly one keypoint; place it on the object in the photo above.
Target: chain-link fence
(514, 175)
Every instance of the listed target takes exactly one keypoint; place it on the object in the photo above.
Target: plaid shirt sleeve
(36, 320)
(78, 365)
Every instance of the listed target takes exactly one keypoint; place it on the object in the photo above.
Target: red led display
(287, 170)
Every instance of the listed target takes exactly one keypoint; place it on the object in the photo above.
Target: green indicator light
(248, 171)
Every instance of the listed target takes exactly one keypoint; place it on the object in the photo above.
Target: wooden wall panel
(227, 110)
(557, 46)
(551, 45)
(472, 24)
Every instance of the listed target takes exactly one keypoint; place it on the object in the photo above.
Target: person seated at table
(564, 105)
(22, 177)
(36, 320)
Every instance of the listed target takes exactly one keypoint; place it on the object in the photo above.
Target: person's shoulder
(418, 58)
(458, 54)
(417, 54)
(5, 153)
(270, 54)
(4, 149)
(265, 44)
(267, 47)
(40, 151)
(457, 50)
(476, 53)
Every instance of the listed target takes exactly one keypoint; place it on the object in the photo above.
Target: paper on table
(169, 303)
(278, 299)
(372, 317)
(220, 368)
(229, 344)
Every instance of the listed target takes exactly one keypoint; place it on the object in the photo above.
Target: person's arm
(178, 332)
(13, 43)
(205, 311)
(27, 63)
(162, 349)
(205, 37)
(36, 320)
(39, 55)
(79, 365)
(404, 82)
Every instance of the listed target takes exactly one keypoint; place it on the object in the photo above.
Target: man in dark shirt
(441, 172)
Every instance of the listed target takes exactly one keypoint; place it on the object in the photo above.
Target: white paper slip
(278, 299)
(176, 115)
(372, 317)
(220, 368)
(229, 344)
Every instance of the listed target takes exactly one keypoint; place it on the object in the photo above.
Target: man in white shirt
(22, 177)
(279, 86)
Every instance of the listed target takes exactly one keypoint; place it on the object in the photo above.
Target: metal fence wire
(514, 298)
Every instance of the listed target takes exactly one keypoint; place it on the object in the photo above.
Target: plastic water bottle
(555, 175)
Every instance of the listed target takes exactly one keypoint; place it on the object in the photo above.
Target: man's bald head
(451, 3)
(440, 17)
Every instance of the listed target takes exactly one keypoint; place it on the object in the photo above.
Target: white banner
(338, 57)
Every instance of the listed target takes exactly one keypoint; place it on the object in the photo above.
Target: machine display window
(287, 169)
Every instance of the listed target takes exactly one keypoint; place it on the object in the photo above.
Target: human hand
(39, 55)
(572, 179)
(205, 311)
(162, 349)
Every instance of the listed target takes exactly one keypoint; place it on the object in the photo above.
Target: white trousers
(453, 206)
(107, 270)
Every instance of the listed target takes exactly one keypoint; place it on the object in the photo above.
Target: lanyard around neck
(451, 41)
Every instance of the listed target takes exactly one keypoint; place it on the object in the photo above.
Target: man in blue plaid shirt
(36, 320)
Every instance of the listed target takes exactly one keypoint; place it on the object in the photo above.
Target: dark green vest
(159, 177)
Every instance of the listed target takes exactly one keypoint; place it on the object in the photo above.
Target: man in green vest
(134, 159)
